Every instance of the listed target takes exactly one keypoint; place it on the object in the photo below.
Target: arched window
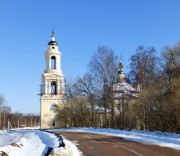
(53, 107)
(53, 87)
(53, 62)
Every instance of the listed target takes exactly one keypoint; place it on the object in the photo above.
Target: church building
(52, 87)
(124, 96)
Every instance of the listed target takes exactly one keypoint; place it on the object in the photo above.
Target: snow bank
(69, 150)
(33, 143)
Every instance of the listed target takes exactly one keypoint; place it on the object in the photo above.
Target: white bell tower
(52, 87)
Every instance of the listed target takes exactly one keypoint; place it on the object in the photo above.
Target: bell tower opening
(53, 87)
(53, 62)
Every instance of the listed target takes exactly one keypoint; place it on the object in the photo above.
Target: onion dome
(120, 76)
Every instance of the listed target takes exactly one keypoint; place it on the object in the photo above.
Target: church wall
(48, 115)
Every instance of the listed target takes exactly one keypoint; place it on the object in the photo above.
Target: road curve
(102, 145)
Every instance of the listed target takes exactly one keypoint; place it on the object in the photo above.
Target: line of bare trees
(20, 120)
(158, 104)
(16, 119)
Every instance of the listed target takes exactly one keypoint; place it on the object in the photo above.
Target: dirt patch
(15, 145)
(2, 153)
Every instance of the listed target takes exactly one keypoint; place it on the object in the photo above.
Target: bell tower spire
(52, 37)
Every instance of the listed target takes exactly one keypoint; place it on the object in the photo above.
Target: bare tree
(4, 113)
(143, 66)
(65, 115)
(171, 62)
(80, 115)
(2, 102)
(160, 100)
(171, 85)
(85, 87)
(103, 66)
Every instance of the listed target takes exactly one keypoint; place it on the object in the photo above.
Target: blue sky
(80, 27)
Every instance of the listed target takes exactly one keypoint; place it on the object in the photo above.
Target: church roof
(97, 109)
(124, 86)
(126, 89)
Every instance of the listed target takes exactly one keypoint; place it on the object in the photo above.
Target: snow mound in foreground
(33, 143)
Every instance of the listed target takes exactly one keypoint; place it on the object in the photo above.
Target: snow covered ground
(170, 140)
(33, 143)
(36, 142)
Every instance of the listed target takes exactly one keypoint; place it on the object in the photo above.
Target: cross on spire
(120, 66)
(52, 37)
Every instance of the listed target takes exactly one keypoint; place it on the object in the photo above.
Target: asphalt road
(102, 145)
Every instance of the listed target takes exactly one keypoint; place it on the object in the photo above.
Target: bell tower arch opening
(53, 87)
(53, 62)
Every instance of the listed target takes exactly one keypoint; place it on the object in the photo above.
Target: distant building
(124, 95)
(52, 87)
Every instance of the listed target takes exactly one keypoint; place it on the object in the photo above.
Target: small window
(53, 123)
(52, 47)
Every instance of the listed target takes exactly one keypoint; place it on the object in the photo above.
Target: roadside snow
(36, 142)
(170, 140)
(70, 149)
(32, 143)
